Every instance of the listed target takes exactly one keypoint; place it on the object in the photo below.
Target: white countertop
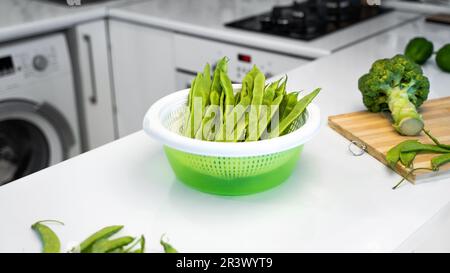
(332, 202)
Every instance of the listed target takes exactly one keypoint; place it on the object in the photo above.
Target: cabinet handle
(93, 96)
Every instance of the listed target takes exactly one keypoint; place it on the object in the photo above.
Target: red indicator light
(245, 58)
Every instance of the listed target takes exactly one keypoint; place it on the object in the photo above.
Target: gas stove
(310, 19)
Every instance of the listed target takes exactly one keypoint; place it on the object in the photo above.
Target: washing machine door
(33, 136)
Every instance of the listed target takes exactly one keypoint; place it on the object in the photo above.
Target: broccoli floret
(398, 85)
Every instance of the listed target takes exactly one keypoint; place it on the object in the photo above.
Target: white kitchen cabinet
(91, 59)
(143, 69)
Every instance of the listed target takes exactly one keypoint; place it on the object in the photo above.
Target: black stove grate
(305, 21)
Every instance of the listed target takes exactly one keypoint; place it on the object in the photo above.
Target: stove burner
(308, 20)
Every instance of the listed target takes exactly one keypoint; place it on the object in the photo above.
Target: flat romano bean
(104, 246)
(288, 104)
(269, 93)
(209, 116)
(221, 66)
(272, 111)
(237, 116)
(257, 99)
(299, 108)
(440, 160)
(189, 107)
(281, 90)
(237, 97)
(189, 125)
(218, 134)
(102, 234)
(50, 241)
(228, 105)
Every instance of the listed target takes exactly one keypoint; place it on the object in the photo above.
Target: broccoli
(398, 85)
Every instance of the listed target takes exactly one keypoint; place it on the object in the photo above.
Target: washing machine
(38, 110)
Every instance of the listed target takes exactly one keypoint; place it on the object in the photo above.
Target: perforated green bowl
(226, 168)
(233, 175)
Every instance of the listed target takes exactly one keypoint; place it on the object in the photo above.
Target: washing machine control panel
(31, 61)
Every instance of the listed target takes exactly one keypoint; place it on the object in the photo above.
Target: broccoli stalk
(397, 85)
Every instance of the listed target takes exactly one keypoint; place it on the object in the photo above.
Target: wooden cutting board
(375, 131)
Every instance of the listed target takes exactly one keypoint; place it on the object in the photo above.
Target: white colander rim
(155, 128)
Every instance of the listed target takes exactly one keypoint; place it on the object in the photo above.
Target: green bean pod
(105, 246)
(102, 234)
(50, 241)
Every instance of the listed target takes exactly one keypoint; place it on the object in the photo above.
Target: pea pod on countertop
(105, 246)
(50, 241)
(168, 248)
(103, 233)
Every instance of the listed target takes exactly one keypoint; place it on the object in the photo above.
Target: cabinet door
(143, 69)
(94, 83)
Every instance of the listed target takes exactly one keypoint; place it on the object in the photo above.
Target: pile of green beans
(98, 242)
(257, 111)
(405, 152)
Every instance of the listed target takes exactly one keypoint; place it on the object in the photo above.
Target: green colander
(226, 168)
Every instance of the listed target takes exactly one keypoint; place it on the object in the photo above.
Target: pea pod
(50, 241)
(103, 233)
(424, 148)
(440, 160)
(298, 109)
(407, 158)
(105, 246)
(393, 155)
(131, 246)
(168, 248)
